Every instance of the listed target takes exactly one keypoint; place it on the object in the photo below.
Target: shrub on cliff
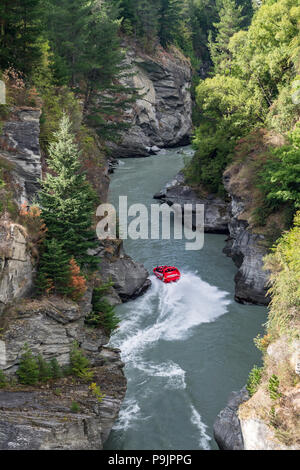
(280, 178)
(284, 264)
(28, 370)
(103, 314)
(79, 364)
(3, 379)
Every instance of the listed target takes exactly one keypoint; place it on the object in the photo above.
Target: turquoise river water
(186, 346)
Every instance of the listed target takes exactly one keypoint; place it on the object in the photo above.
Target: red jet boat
(167, 274)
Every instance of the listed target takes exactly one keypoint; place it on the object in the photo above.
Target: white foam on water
(204, 438)
(175, 309)
(170, 370)
(166, 312)
(129, 413)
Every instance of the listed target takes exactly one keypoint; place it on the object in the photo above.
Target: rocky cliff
(16, 263)
(216, 214)
(246, 246)
(41, 417)
(19, 145)
(162, 117)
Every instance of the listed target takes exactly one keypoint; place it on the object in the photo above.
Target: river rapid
(186, 346)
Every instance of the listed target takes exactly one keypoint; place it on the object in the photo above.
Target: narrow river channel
(186, 346)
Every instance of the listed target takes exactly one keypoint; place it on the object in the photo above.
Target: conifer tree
(67, 32)
(45, 372)
(67, 201)
(56, 371)
(230, 22)
(54, 275)
(20, 29)
(28, 370)
(170, 17)
(106, 96)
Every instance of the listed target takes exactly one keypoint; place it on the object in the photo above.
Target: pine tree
(67, 200)
(80, 364)
(56, 371)
(67, 32)
(148, 14)
(3, 379)
(28, 370)
(230, 22)
(106, 97)
(54, 275)
(45, 371)
(170, 18)
(20, 30)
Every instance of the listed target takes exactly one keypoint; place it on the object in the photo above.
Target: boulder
(216, 215)
(227, 427)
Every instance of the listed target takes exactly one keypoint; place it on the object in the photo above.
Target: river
(186, 346)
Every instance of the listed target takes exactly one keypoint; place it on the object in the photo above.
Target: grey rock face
(42, 420)
(227, 427)
(162, 117)
(39, 418)
(130, 278)
(247, 250)
(16, 267)
(49, 327)
(216, 215)
(20, 146)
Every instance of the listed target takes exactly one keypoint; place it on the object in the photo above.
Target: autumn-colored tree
(78, 282)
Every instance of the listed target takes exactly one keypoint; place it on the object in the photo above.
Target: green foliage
(284, 265)
(227, 113)
(254, 87)
(280, 178)
(103, 314)
(3, 379)
(54, 274)
(75, 407)
(273, 387)
(170, 15)
(21, 27)
(230, 20)
(56, 370)
(67, 199)
(80, 364)
(254, 380)
(28, 370)
(96, 391)
(45, 371)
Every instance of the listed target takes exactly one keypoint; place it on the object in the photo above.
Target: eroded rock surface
(16, 266)
(162, 117)
(216, 215)
(130, 278)
(20, 146)
(40, 417)
(247, 249)
(227, 427)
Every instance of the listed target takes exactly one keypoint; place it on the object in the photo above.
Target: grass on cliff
(275, 390)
